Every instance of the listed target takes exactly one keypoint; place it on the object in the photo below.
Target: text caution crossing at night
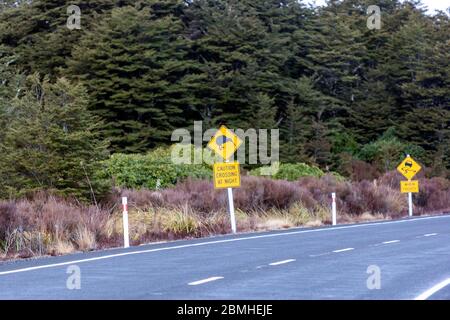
(227, 175)
(409, 186)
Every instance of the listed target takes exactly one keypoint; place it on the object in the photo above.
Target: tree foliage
(332, 86)
(51, 142)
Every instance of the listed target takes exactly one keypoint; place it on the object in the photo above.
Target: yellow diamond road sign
(226, 175)
(225, 143)
(409, 186)
(409, 168)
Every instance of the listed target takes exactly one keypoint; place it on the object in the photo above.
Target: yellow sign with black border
(409, 168)
(409, 186)
(225, 143)
(227, 175)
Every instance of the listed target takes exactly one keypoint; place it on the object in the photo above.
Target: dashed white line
(433, 290)
(281, 262)
(196, 283)
(392, 241)
(319, 255)
(430, 234)
(343, 250)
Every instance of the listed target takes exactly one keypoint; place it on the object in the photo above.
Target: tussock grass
(49, 225)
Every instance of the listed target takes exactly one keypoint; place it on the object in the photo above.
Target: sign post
(409, 168)
(231, 209)
(126, 237)
(226, 174)
(410, 204)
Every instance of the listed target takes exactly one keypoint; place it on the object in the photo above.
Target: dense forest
(345, 97)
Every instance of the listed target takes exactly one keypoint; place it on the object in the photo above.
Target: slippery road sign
(409, 168)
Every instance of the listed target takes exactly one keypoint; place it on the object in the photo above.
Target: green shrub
(292, 171)
(152, 170)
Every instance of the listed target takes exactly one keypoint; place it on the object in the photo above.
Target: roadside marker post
(226, 174)
(409, 168)
(333, 209)
(126, 237)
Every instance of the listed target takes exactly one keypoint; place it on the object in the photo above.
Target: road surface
(404, 259)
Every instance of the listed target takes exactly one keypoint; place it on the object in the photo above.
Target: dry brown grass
(274, 223)
(366, 216)
(48, 225)
(84, 239)
(61, 247)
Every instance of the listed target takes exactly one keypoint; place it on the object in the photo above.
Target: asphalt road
(404, 259)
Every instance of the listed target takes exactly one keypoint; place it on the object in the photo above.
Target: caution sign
(409, 168)
(227, 175)
(409, 186)
(225, 143)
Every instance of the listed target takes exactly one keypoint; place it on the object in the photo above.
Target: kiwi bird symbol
(222, 140)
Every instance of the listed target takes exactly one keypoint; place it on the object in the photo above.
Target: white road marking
(196, 283)
(281, 262)
(272, 235)
(392, 241)
(433, 290)
(319, 255)
(343, 250)
(430, 234)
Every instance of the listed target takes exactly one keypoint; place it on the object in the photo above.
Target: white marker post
(410, 204)
(333, 208)
(126, 238)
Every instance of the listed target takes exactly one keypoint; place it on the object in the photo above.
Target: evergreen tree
(302, 139)
(293, 135)
(264, 116)
(419, 80)
(319, 74)
(133, 64)
(38, 32)
(233, 42)
(11, 84)
(51, 142)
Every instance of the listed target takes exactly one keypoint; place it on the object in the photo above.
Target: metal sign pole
(231, 207)
(410, 204)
